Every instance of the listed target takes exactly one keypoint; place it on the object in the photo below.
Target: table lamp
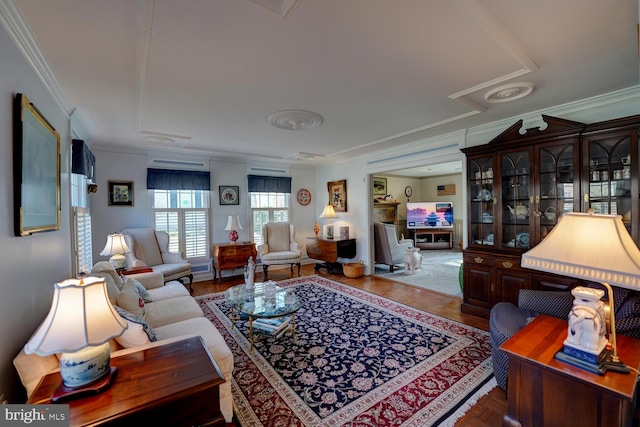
(597, 248)
(328, 212)
(79, 325)
(116, 247)
(233, 225)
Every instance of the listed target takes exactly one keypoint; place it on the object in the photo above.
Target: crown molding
(17, 28)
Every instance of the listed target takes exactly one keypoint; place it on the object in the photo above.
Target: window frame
(181, 221)
(256, 235)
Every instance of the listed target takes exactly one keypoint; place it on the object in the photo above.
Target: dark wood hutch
(519, 184)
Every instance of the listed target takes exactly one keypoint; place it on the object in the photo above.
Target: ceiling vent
(179, 164)
(262, 170)
(303, 156)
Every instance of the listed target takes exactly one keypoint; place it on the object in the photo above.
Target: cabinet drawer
(509, 264)
(476, 258)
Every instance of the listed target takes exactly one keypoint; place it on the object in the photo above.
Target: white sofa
(169, 315)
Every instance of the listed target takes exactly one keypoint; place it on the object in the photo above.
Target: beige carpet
(438, 272)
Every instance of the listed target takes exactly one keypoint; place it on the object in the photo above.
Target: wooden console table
(544, 391)
(176, 384)
(329, 251)
(229, 256)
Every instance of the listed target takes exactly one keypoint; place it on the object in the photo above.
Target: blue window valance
(83, 162)
(170, 179)
(269, 184)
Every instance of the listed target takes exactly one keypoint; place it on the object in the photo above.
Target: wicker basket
(353, 269)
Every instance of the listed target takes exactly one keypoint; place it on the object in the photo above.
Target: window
(83, 173)
(183, 214)
(81, 224)
(266, 207)
(269, 201)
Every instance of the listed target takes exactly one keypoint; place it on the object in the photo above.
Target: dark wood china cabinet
(519, 184)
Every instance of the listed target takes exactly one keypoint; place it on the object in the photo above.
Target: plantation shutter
(84, 257)
(195, 224)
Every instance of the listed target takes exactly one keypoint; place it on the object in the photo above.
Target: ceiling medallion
(295, 119)
(509, 92)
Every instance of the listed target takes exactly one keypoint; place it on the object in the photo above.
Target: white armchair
(279, 247)
(389, 250)
(150, 248)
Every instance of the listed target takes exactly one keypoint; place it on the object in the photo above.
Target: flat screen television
(429, 215)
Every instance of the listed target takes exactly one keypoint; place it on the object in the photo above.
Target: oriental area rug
(358, 359)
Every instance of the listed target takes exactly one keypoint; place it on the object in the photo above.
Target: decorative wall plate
(304, 197)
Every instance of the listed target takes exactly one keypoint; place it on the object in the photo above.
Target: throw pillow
(138, 333)
(130, 300)
(142, 291)
(106, 267)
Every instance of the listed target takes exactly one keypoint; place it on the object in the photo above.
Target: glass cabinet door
(482, 211)
(609, 183)
(516, 199)
(557, 182)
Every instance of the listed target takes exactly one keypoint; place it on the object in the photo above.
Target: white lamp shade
(115, 245)
(591, 247)
(80, 316)
(328, 212)
(233, 223)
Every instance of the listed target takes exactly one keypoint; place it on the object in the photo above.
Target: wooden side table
(229, 256)
(175, 384)
(329, 251)
(544, 391)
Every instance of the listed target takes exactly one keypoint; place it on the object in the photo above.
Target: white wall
(133, 167)
(29, 265)
(107, 219)
(358, 208)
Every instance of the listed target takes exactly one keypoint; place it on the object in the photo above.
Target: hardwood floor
(489, 410)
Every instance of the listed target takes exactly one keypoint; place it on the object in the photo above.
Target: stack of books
(275, 326)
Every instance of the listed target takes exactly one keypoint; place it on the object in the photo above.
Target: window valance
(170, 179)
(269, 184)
(83, 162)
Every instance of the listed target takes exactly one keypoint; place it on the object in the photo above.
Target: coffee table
(263, 301)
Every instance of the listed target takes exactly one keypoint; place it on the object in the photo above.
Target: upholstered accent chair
(389, 250)
(149, 247)
(279, 247)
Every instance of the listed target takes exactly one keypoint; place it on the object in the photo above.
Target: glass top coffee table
(267, 306)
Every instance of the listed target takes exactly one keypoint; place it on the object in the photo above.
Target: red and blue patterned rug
(358, 359)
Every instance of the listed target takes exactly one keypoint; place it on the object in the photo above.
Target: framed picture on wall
(379, 186)
(229, 194)
(36, 170)
(338, 195)
(120, 193)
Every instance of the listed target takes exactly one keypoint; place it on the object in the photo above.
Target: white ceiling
(209, 73)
